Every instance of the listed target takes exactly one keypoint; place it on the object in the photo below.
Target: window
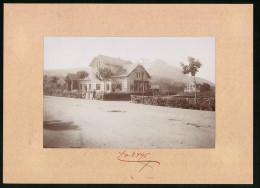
(120, 87)
(146, 86)
(137, 74)
(107, 87)
(97, 74)
(89, 87)
(97, 86)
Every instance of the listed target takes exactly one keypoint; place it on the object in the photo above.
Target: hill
(161, 70)
(64, 72)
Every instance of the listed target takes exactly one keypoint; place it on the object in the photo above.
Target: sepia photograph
(129, 92)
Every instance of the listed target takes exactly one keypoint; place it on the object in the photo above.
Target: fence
(60, 93)
(72, 94)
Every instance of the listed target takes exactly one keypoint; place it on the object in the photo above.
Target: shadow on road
(58, 125)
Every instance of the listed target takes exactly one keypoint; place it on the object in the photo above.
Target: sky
(77, 52)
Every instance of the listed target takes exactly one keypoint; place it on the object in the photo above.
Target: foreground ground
(82, 123)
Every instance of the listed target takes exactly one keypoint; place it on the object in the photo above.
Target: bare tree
(192, 68)
(105, 74)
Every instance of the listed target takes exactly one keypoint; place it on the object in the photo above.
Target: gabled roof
(72, 76)
(120, 67)
(130, 69)
(85, 79)
(155, 87)
(106, 60)
(75, 77)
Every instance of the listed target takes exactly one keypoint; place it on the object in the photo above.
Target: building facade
(127, 77)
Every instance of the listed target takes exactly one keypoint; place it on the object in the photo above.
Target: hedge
(99, 95)
(199, 94)
(60, 93)
(176, 102)
(122, 96)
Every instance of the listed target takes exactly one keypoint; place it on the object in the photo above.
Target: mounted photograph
(129, 92)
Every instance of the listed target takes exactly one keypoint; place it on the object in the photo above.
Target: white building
(126, 77)
(190, 88)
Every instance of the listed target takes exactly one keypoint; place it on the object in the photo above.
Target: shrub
(177, 102)
(121, 96)
(99, 96)
(199, 94)
(60, 93)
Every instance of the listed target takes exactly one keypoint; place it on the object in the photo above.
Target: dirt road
(80, 123)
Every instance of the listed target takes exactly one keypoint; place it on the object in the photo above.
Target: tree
(192, 68)
(82, 74)
(105, 74)
(61, 83)
(55, 79)
(66, 79)
(205, 87)
(45, 79)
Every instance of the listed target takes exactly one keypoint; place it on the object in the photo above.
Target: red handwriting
(135, 157)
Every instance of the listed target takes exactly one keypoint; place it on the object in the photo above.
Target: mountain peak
(161, 69)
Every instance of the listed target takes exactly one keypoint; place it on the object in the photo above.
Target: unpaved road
(83, 123)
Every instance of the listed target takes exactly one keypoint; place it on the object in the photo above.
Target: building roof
(155, 87)
(75, 77)
(129, 69)
(85, 79)
(109, 61)
(120, 67)
(72, 76)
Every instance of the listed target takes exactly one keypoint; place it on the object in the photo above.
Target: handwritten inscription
(143, 158)
(126, 156)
